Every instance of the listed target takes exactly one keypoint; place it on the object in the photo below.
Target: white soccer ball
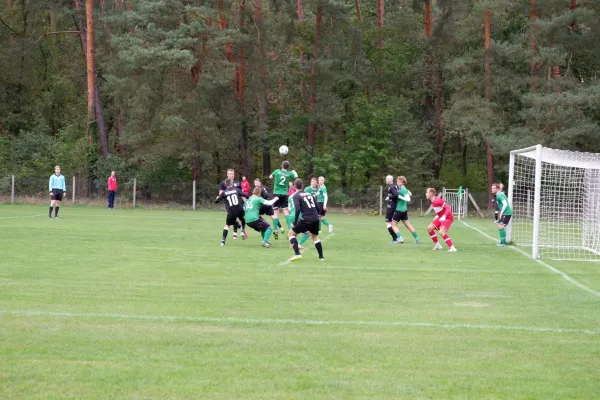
(283, 150)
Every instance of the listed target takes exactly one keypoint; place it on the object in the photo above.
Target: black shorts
(266, 210)
(306, 226)
(233, 215)
(400, 216)
(282, 203)
(56, 194)
(505, 219)
(389, 214)
(259, 225)
(321, 211)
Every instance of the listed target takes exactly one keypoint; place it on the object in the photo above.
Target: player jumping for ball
(282, 178)
(58, 189)
(401, 213)
(442, 221)
(307, 206)
(233, 205)
(252, 208)
(504, 212)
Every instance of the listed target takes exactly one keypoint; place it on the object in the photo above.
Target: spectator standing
(245, 186)
(112, 189)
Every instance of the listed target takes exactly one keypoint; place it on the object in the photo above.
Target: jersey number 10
(233, 200)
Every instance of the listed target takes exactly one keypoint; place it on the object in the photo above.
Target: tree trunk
(242, 63)
(488, 90)
(439, 123)
(266, 156)
(358, 14)
(312, 127)
(9, 12)
(533, 47)
(302, 55)
(427, 18)
(89, 58)
(490, 168)
(380, 10)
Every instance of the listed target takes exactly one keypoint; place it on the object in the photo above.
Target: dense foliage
(186, 89)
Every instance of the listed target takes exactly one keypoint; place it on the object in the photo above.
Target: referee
(58, 189)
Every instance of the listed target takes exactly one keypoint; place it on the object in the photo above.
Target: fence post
(73, 189)
(422, 211)
(380, 200)
(12, 190)
(194, 196)
(134, 190)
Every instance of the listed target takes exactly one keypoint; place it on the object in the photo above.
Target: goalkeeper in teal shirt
(58, 189)
(504, 212)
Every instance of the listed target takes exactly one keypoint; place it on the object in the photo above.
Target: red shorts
(447, 223)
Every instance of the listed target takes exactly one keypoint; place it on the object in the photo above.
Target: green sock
(415, 235)
(502, 236)
(325, 222)
(303, 239)
(288, 221)
(275, 223)
(399, 235)
(267, 235)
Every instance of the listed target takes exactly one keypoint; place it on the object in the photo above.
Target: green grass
(145, 304)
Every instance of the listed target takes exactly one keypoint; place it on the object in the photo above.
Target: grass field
(146, 304)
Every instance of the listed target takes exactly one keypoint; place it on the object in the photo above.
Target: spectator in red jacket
(292, 189)
(245, 185)
(112, 189)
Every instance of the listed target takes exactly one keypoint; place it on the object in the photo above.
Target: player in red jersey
(442, 221)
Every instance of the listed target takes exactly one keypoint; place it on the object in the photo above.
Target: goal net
(555, 195)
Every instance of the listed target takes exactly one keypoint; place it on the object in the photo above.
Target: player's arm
(271, 176)
(393, 192)
(406, 197)
(270, 202)
(298, 207)
(447, 210)
(294, 173)
(64, 184)
(220, 196)
(50, 184)
(325, 198)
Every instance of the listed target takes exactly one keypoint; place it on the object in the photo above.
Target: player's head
(230, 173)
(229, 182)
(256, 191)
(501, 186)
(57, 170)
(299, 184)
(112, 173)
(321, 180)
(401, 181)
(243, 178)
(389, 179)
(430, 194)
(285, 165)
(291, 184)
(257, 183)
(496, 188)
(313, 182)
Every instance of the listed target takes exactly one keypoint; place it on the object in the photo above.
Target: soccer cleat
(276, 234)
(50, 216)
(266, 244)
(452, 249)
(55, 217)
(321, 258)
(235, 236)
(417, 241)
(282, 229)
(437, 246)
(330, 228)
(397, 241)
(223, 243)
(296, 257)
(501, 245)
(401, 239)
(245, 234)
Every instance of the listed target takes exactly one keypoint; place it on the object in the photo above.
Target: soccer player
(401, 213)
(498, 205)
(504, 212)
(236, 184)
(392, 200)
(112, 189)
(233, 205)
(442, 221)
(252, 208)
(307, 206)
(58, 189)
(266, 210)
(282, 178)
(322, 198)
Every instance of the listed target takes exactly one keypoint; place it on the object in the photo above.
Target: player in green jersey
(252, 215)
(282, 177)
(504, 212)
(401, 213)
(322, 199)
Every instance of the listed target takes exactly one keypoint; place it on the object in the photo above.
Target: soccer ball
(283, 150)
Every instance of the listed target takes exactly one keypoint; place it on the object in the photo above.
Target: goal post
(555, 196)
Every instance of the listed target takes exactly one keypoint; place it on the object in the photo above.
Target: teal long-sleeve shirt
(57, 182)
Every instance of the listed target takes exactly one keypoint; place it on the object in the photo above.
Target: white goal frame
(541, 161)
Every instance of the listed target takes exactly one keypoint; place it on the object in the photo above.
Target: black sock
(391, 231)
(56, 211)
(496, 215)
(225, 231)
(294, 243)
(243, 225)
(319, 248)
(50, 213)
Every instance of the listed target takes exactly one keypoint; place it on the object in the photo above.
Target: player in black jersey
(391, 200)
(234, 204)
(236, 185)
(307, 206)
(266, 210)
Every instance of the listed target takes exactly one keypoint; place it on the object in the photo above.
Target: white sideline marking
(551, 268)
(461, 271)
(289, 260)
(24, 216)
(268, 321)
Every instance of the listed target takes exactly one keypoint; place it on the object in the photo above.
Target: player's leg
(314, 230)
(52, 202)
(431, 230)
(230, 220)
(408, 225)
(288, 218)
(294, 241)
(444, 233)
(389, 216)
(268, 210)
(501, 229)
(266, 232)
(395, 219)
(303, 240)
(224, 237)
(57, 207)
(276, 222)
(242, 219)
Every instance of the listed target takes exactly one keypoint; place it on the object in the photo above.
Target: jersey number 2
(282, 183)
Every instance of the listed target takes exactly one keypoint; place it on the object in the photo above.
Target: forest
(180, 90)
